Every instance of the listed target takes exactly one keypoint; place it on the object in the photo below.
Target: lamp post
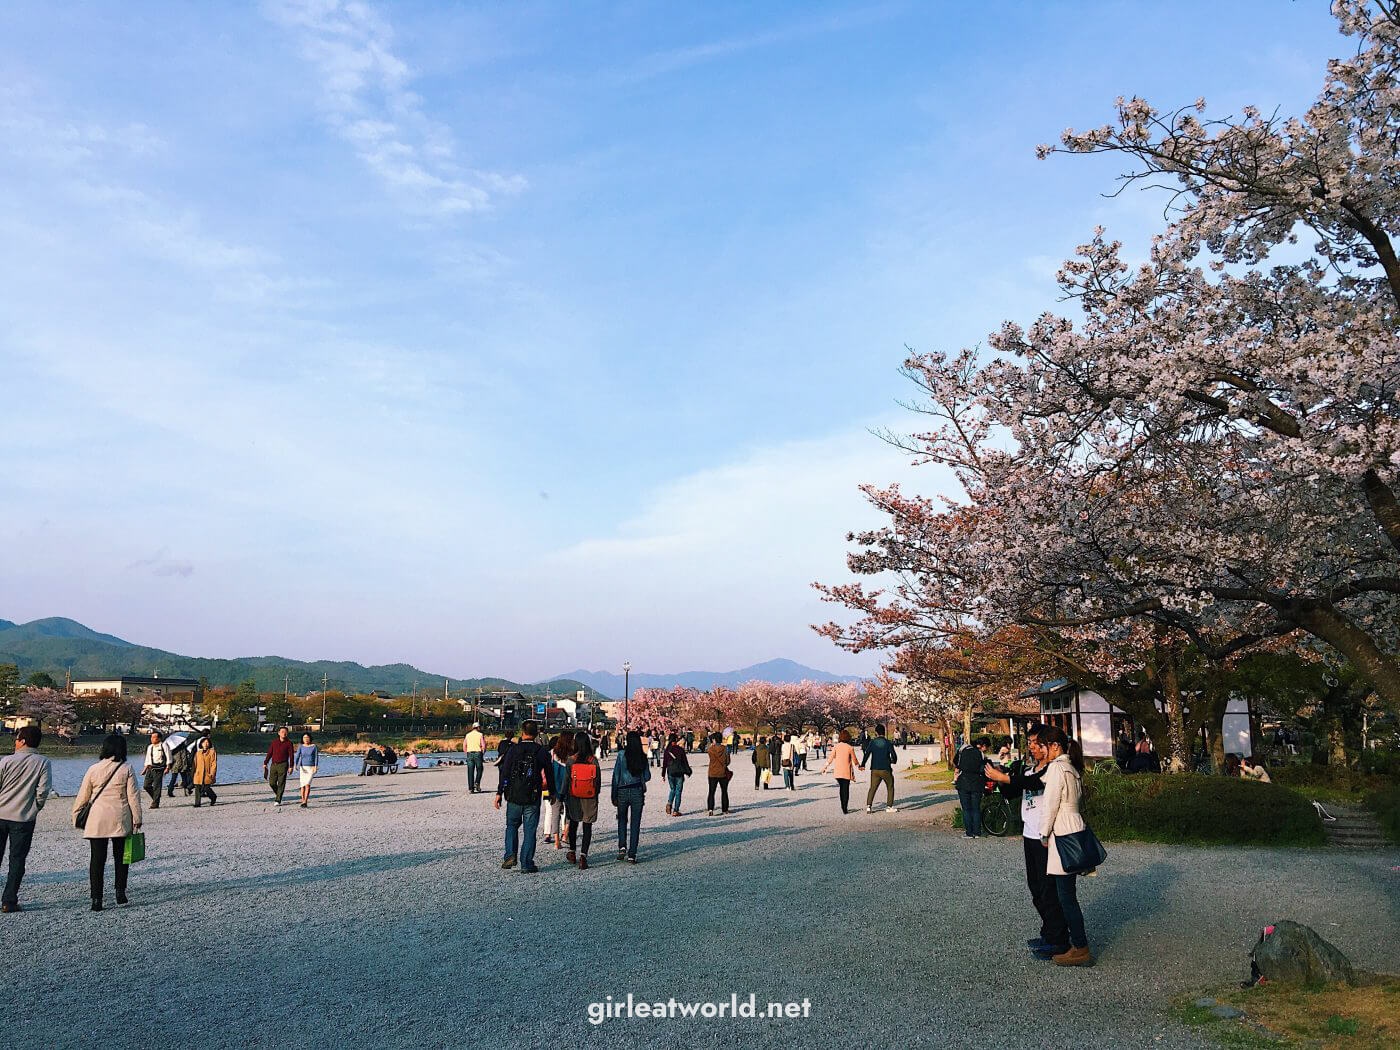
(626, 691)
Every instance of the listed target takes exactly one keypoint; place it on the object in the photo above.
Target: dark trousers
(277, 779)
(1043, 894)
(757, 776)
(573, 836)
(844, 787)
(18, 835)
(476, 762)
(971, 802)
(723, 784)
(99, 861)
(1068, 893)
(153, 779)
(629, 819)
(200, 790)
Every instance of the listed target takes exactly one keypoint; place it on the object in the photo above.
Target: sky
(512, 339)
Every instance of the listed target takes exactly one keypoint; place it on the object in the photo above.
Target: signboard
(539, 710)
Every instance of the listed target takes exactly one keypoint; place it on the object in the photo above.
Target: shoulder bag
(1080, 852)
(80, 818)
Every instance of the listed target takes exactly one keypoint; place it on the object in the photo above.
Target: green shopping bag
(134, 850)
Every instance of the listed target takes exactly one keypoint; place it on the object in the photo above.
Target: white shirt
(157, 754)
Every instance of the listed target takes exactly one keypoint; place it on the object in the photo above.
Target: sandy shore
(383, 906)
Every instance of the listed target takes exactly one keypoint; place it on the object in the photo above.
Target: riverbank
(400, 875)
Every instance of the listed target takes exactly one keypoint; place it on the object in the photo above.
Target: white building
(1094, 722)
(162, 700)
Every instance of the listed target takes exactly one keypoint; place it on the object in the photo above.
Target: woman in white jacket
(1060, 815)
(109, 786)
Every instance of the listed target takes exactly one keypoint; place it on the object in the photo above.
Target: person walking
(560, 754)
(675, 767)
(775, 757)
(879, 754)
(153, 770)
(474, 748)
(719, 774)
(305, 761)
(179, 764)
(629, 791)
(527, 771)
(789, 762)
(583, 779)
(276, 763)
(1064, 789)
(505, 744)
(799, 753)
(760, 763)
(26, 777)
(843, 761)
(206, 771)
(112, 801)
(971, 782)
(1028, 781)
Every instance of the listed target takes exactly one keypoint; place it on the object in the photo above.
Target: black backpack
(523, 776)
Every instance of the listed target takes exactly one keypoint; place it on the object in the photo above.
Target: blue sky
(514, 338)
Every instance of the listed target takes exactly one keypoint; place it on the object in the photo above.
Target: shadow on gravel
(356, 867)
(1129, 900)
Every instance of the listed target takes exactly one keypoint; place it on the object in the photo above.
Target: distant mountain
(612, 685)
(61, 646)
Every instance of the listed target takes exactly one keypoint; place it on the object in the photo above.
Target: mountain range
(610, 684)
(62, 646)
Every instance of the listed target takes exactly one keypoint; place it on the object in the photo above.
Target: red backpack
(583, 780)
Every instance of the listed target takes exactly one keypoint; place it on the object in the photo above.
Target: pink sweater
(843, 757)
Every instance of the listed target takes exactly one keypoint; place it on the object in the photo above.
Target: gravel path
(383, 908)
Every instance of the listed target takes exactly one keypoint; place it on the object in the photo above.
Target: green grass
(1329, 783)
(1199, 810)
(1385, 803)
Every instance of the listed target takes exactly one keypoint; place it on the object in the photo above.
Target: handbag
(80, 818)
(134, 849)
(1080, 851)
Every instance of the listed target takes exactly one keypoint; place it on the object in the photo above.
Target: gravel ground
(383, 908)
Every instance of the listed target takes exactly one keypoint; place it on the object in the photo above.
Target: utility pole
(325, 684)
(626, 691)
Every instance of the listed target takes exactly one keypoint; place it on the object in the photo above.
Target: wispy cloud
(162, 564)
(368, 102)
(670, 61)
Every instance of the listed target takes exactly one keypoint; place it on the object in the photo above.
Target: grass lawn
(1334, 1016)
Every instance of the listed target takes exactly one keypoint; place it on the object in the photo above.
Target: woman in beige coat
(206, 771)
(1060, 815)
(110, 785)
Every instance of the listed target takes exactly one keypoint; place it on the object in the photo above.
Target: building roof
(1054, 685)
(135, 680)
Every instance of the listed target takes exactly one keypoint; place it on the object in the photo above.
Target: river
(233, 768)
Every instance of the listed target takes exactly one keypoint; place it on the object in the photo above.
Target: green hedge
(1201, 810)
(1328, 782)
(1385, 803)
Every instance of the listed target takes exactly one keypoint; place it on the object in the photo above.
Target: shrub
(1333, 781)
(1385, 803)
(1205, 810)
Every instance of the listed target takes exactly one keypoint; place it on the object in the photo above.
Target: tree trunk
(1370, 661)
(1336, 744)
(1178, 736)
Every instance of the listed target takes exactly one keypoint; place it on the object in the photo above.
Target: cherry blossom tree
(1205, 461)
(49, 707)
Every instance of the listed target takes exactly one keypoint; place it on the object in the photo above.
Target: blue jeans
(629, 811)
(1068, 893)
(17, 835)
(475, 764)
(971, 802)
(516, 816)
(673, 799)
(787, 778)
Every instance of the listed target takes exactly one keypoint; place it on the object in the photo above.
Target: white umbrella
(175, 741)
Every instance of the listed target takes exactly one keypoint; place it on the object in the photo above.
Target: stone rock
(1293, 953)
(1205, 1003)
(1227, 1012)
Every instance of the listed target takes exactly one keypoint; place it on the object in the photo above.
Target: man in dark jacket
(1029, 782)
(526, 771)
(880, 755)
(971, 782)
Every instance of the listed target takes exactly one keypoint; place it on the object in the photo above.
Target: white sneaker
(870, 809)
(709, 813)
(891, 809)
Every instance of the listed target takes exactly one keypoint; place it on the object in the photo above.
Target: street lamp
(626, 691)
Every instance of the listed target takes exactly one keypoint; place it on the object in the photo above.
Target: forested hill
(61, 646)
